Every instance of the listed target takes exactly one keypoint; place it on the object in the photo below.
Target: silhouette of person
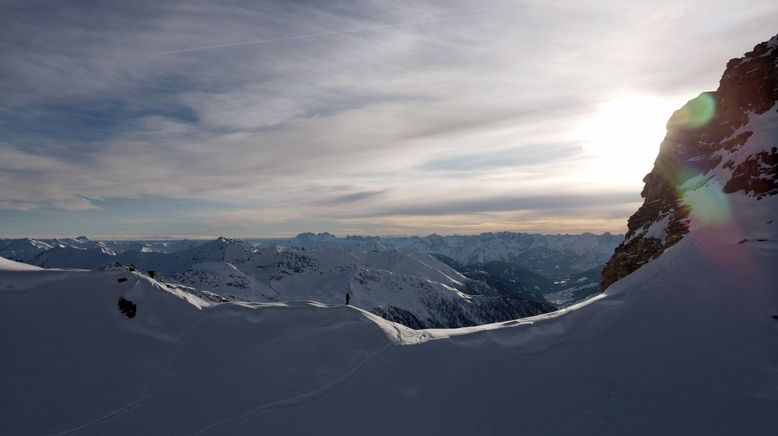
(348, 298)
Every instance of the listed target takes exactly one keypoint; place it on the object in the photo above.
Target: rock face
(727, 137)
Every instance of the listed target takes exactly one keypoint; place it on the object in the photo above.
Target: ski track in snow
(296, 400)
(144, 388)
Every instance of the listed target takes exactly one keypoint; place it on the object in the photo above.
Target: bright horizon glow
(622, 138)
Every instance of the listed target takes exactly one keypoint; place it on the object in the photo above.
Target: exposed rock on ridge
(705, 139)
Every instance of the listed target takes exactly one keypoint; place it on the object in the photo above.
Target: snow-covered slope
(22, 250)
(516, 266)
(415, 289)
(506, 278)
(685, 345)
(10, 265)
(553, 256)
(578, 287)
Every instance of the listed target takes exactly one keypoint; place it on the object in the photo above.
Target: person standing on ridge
(348, 298)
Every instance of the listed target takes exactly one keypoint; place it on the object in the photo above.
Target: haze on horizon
(149, 119)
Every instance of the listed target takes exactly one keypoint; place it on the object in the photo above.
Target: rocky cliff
(721, 142)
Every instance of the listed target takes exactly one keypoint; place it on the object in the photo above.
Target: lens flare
(715, 229)
(697, 112)
(706, 201)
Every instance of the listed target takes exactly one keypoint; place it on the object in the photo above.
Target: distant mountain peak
(225, 242)
(310, 236)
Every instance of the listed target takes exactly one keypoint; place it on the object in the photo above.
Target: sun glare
(621, 139)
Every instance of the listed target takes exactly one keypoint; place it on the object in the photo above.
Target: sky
(151, 119)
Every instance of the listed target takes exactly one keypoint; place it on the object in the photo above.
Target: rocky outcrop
(706, 138)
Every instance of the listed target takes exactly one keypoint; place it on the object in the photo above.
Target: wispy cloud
(354, 197)
(332, 33)
(513, 203)
(278, 116)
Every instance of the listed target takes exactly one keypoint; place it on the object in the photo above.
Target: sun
(621, 138)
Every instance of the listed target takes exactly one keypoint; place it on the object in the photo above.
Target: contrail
(322, 34)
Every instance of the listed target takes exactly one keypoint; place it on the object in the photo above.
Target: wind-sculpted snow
(685, 345)
(10, 265)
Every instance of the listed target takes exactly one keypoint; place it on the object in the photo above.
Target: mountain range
(396, 278)
(681, 341)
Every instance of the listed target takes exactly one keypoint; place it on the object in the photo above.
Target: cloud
(525, 156)
(74, 204)
(354, 197)
(388, 109)
(514, 203)
(328, 33)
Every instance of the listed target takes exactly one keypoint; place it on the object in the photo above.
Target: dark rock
(693, 146)
(121, 279)
(127, 307)
(757, 175)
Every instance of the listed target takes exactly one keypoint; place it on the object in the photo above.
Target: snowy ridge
(10, 265)
(683, 344)
(414, 289)
(293, 368)
(29, 250)
(321, 266)
(554, 256)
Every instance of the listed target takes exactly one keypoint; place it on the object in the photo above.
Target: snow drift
(686, 344)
